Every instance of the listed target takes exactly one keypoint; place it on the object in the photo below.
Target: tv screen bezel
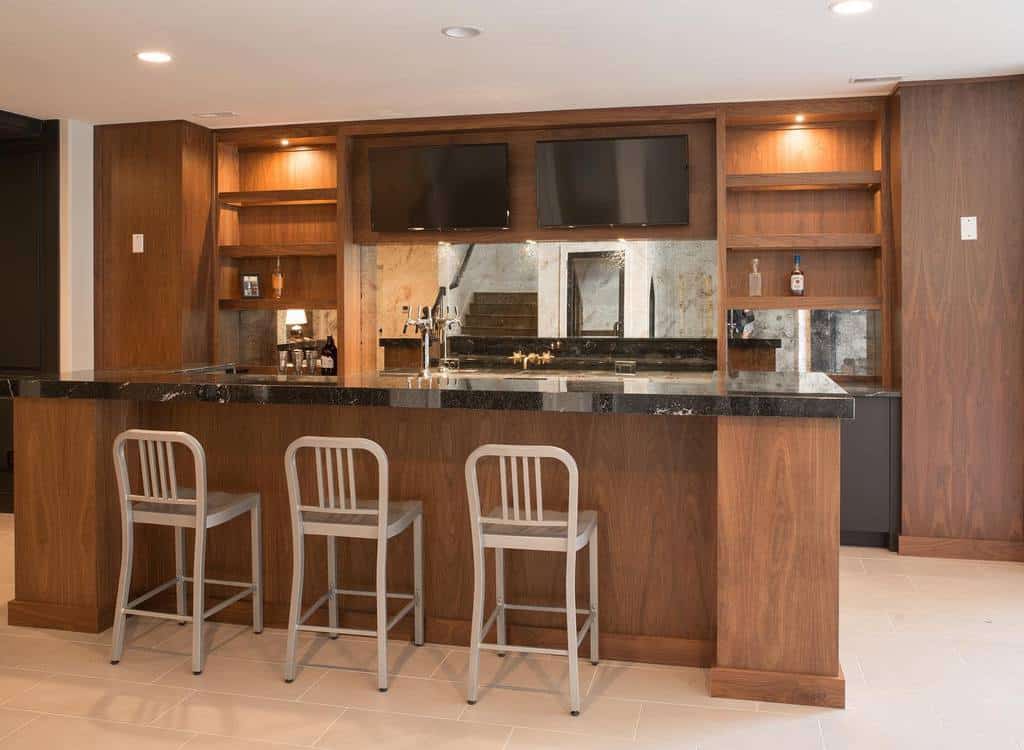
(685, 137)
(440, 147)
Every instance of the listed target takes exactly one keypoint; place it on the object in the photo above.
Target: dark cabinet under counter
(869, 508)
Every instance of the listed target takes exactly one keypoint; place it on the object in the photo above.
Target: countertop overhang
(744, 394)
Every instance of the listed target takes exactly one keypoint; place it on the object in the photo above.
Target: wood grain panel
(850, 273)
(962, 154)
(287, 169)
(801, 212)
(268, 225)
(835, 147)
(522, 187)
(311, 278)
(778, 545)
(197, 256)
(778, 687)
(962, 549)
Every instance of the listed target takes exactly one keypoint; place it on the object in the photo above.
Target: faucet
(532, 357)
(446, 320)
(423, 325)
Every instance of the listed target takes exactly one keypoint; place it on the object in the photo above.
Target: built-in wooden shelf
(311, 249)
(276, 304)
(852, 241)
(804, 303)
(299, 197)
(871, 180)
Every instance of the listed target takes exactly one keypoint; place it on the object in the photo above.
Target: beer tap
(423, 325)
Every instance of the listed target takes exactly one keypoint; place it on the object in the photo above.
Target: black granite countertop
(751, 394)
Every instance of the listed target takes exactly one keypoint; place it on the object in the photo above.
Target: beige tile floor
(933, 652)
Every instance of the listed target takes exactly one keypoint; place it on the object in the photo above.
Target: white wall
(76, 245)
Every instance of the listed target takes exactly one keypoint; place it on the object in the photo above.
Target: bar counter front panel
(717, 497)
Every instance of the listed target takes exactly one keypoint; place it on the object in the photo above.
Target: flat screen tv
(439, 187)
(613, 182)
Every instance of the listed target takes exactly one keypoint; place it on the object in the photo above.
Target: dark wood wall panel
(962, 154)
(153, 309)
(830, 147)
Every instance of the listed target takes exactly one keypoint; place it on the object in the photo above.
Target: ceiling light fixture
(799, 118)
(876, 79)
(154, 56)
(285, 141)
(460, 32)
(214, 115)
(850, 7)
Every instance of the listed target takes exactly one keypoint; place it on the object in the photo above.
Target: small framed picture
(250, 286)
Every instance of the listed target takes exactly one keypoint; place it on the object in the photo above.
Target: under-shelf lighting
(285, 141)
(799, 118)
(850, 7)
(154, 56)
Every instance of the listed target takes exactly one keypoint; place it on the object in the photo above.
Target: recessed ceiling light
(799, 118)
(154, 56)
(460, 32)
(285, 141)
(850, 7)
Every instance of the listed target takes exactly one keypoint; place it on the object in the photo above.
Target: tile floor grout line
(330, 726)
(298, 698)
(188, 694)
(636, 724)
(440, 664)
(20, 727)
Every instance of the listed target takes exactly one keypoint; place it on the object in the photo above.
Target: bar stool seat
(543, 538)
(362, 526)
(221, 507)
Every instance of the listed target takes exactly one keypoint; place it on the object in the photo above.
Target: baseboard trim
(961, 548)
(58, 616)
(684, 652)
(778, 687)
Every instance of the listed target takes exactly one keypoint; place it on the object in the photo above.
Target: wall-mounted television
(439, 187)
(613, 182)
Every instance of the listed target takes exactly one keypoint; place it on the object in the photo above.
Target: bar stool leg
(179, 571)
(382, 615)
(473, 676)
(123, 587)
(593, 599)
(198, 600)
(257, 568)
(417, 576)
(294, 612)
(570, 629)
(332, 583)
(499, 595)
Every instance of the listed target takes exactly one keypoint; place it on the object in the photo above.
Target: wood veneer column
(68, 540)
(778, 561)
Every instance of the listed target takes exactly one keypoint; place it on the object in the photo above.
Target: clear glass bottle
(277, 281)
(797, 283)
(755, 279)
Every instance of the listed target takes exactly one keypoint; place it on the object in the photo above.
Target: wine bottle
(796, 279)
(329, 358)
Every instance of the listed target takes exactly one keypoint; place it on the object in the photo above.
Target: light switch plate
(968, 227)
(138, 245)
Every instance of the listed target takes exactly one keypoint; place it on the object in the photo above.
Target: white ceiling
(282, 61)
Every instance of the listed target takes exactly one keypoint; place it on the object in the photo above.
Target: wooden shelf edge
(321, 249)
(824, 241)
(866, 180)
(804, 303)
(303, 196)
(276, 304)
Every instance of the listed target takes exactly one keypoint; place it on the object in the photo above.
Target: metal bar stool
(527, 526)
(343, 515)
(163, 503)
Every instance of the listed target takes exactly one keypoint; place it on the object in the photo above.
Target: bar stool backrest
(159, 476)
(336, 476)
(519, 467)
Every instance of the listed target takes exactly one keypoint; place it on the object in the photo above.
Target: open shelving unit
(814, 184)
(274, 203)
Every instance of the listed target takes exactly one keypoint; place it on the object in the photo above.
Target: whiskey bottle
(277, 281)
(796, 279)
(329, 358)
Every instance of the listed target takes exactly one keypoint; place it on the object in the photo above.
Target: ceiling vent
(214, 115)
(876, 79)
